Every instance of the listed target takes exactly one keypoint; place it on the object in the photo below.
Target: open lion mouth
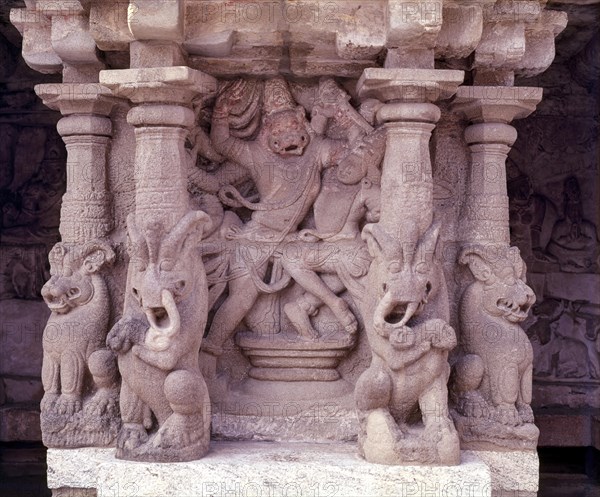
(59, 305)
(512, 310)
(158, 318)
(293, 150)
(396, 314)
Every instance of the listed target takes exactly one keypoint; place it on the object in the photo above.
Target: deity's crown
(277, 96)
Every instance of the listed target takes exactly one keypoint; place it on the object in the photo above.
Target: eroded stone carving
(402, 397)
(78, 410)
(574, 239)
(164, 400)
(493, 379)
(310, 230)
(565, 340)
(285, 163)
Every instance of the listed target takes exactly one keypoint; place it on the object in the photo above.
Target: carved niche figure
(76, 411)
(32, 212)
(164, 400)
(492, 380)
(285, 162)
(531, 218)
(564, 341)
(574, 240)
(402, 397)
(344, 257)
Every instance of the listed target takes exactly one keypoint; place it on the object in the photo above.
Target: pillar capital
(496, 104)
(175, 85)
(77, 98)
(408, 85)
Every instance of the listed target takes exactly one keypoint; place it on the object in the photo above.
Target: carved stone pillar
(158, 338)
(490, 110)
(77, 294)
(493, 378)
(409, 116)
(406, 309)
(86, 130)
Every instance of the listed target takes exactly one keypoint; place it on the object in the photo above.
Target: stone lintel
(409, 85)
(259, 468)
(156, 19)
(499, 104)
(60, 7)
(77, 98)
(178, 84)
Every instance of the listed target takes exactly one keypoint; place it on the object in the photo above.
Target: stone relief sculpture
(80, 405)
(565, 341)
(337, 239)
(300, 168)
(285, 162)
(164, 401)
(493, 380)
(574, 240)
(542, 234)
(532, 216)
(29, 216)
(277, 190)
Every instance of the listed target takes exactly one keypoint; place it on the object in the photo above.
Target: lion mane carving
(78, 410)
(492, 381)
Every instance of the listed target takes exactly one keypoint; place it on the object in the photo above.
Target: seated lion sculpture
(492, 381)
(80, 404)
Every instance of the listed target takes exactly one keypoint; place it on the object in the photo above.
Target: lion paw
(102, 403)
(178, 431)
(525, 413)
(68, 404)
(131, 436)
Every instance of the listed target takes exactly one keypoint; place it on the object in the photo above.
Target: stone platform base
(514, 473)
(263, 469)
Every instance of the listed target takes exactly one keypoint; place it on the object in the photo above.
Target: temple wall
(32, 182)
(554, 188)
(559, 141)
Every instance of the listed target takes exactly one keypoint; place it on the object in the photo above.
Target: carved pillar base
(405, 308)
(80, 404)
(492, 381)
